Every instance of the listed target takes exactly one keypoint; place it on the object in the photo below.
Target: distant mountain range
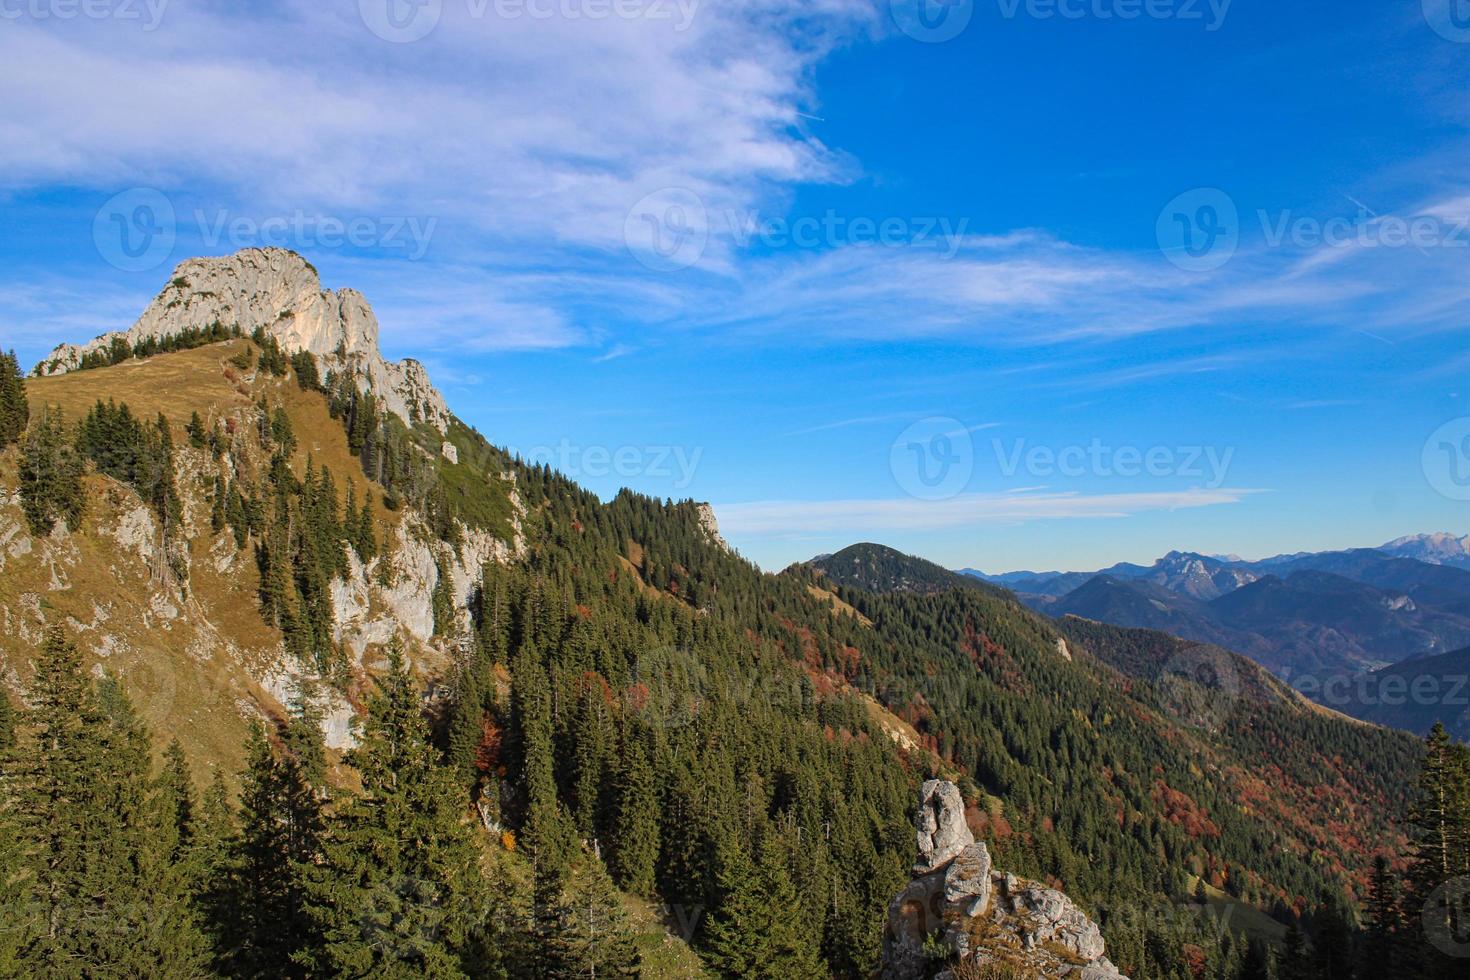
(1378, 634)
(1337, 625)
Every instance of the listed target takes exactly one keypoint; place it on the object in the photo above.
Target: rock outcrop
(959, 909)
(278, 291)
(711, 525)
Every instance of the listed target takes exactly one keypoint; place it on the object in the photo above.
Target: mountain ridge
(278, 292)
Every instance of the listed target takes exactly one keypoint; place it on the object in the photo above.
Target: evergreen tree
(1440, 826)
(1332, 946)
(636, 822)
(366, 539)
(266, 925)
(467, 721)
(399, 892)
(7, 723)
(1382, 949)
(442, 601)
(50, 476)
(198, 438)
(580, 929)
(15, 411)
(303, 736)
(758, 931)
(97, 836)
(176, 789)
(543, 826)
(1295, 963)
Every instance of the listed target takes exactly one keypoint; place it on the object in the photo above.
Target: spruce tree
(7, 723)
(263, 930)
(176, 789)
(580, 928)
(1382, 948)
(1295, 963)
(365, 538)
(543, 826)
(758, 929)
(98, 836)
(399, 891)
(635, 841)
(198, 438)
(51, 489)
(15, 411)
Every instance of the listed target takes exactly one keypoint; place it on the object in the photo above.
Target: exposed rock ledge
(279, 291)
(982, 915)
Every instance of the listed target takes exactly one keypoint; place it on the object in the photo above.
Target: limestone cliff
(277, 291)
(959, 913)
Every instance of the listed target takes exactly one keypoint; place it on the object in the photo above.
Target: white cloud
(782, 518)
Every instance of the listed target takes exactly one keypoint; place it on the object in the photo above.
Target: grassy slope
(191, 673)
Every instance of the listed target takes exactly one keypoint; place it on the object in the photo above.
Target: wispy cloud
(780, 518)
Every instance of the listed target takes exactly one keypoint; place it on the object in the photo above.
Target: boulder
(958, 899)
(943, 833)
(967, 880)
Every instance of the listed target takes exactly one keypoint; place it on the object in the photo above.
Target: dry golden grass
(838, 606)
(174, 384)
(191, 673)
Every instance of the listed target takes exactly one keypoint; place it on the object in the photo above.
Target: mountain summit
(278, 292)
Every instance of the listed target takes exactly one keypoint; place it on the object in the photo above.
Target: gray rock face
(1048, 916)
(943, 833)
(711, 526)
(278, 291)
(967, 880)
(957, 897)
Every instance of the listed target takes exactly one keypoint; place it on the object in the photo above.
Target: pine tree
(1382, 948)
(98, 836)
(580, 928)
(15, 411)
(635, 827)
(264, 929)
(198, 438)
(176, 788)
(757, 930)
(399, 892)
(50, 476)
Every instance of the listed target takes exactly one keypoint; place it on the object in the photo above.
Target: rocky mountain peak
(979, 914)
(1441, 548)
(277, 291)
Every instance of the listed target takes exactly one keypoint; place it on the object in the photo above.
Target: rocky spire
(982, 915)
(278, 291)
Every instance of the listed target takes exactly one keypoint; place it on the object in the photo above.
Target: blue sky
(1007, 283)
